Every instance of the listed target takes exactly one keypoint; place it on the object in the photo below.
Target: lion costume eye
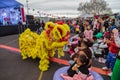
(49, 25)
(60, 30)
(56, 33)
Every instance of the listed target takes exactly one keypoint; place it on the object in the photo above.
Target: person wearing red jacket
(113, 51)
(116, 69)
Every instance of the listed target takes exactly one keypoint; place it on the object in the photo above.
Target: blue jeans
(111, 58)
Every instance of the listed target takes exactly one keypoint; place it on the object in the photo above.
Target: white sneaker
(76, 50)
(99, 60)
(105, 68)
(110, 74)
(103, 60)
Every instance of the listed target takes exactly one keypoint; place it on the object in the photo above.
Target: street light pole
(39, 12)
(27, 13)
(27, 7)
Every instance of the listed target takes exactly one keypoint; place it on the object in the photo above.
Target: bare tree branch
(94, 6)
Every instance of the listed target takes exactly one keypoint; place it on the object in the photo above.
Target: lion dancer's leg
(43, 55)
(44, 60)
(23, 56)
(60, 52)
(27, 44)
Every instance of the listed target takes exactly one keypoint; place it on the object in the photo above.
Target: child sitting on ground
(99, 49)
(79, 65)
(79, 70)
(83, 44)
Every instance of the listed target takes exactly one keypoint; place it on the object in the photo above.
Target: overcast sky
(63, 6)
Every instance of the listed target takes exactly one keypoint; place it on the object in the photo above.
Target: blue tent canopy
(9, 3)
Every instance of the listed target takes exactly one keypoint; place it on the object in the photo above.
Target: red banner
(23, 14)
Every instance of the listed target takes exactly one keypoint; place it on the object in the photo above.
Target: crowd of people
(94, 38)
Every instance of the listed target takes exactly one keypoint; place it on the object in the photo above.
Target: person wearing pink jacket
(88, 33)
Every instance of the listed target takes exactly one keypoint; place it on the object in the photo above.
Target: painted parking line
(57, 60)
(11, 41)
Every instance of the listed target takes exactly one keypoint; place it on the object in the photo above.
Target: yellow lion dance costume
(43, 46)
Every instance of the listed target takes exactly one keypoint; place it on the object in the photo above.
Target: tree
(94, 7)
